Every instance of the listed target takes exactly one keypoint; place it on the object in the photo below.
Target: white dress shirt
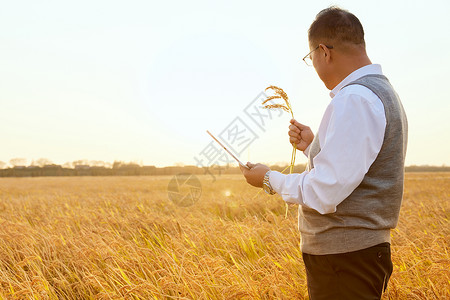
(351, 134)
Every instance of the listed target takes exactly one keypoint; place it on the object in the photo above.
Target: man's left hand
(255, 175)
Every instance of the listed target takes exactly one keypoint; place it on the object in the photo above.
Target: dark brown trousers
(362, 274)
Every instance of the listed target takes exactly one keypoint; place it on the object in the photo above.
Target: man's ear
(325, 51)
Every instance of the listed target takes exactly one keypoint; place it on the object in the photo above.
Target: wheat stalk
(271, 98)
(280, 94)
(273, 106)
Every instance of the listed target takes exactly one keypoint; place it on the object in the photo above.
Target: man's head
(337, 38)
(335, 26)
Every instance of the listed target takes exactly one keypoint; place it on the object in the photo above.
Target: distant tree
(41, 162)
(67, 165)
(18, 162)
(2, 165)
(117, 164)
(136, 163)
(80, 162)
(97, 163)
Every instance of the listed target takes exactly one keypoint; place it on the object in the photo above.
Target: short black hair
(334, 25)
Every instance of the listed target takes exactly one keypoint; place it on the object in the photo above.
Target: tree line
(44, 167)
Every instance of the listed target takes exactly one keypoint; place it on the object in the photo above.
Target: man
(351, 192)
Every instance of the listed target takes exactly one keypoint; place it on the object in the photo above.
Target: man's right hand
(300, 135)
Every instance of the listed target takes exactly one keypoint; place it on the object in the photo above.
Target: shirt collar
(363, 71)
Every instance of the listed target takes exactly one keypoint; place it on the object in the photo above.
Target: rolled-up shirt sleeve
(306, 151)
(351, 135)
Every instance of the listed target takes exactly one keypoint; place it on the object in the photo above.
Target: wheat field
(122, 238)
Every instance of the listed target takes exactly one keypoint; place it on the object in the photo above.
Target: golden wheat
(280, 94)
(271, 98)
(273, 106)
(122, 238)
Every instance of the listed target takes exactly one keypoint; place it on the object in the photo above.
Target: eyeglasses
(307, 59)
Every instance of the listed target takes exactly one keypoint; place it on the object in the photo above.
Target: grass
(121, 238)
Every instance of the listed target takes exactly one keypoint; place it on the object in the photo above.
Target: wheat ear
(280, 94)
(272, 106)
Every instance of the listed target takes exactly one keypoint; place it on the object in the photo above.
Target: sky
(142, 81)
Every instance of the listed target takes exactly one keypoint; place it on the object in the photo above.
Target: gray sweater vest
(366, 216)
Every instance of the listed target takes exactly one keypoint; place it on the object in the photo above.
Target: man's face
(317, 60)
(320, 63)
